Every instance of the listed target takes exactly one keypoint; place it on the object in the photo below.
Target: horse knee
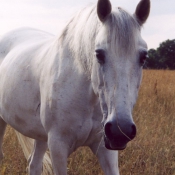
(108, 159)
(59, 153)
(32, 170)
(36, 158)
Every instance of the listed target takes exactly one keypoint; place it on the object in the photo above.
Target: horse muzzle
(116, 136)
(114, 144)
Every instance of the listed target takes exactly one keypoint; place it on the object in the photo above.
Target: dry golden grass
(14, 162)
(151, 153)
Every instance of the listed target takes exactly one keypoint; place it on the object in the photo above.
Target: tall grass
(152, 152)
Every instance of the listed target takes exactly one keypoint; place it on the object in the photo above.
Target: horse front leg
(108, 159)
(59, 153)
(35, 164)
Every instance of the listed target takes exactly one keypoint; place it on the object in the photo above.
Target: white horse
(58, 90)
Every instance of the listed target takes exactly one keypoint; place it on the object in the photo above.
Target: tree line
(163, 57)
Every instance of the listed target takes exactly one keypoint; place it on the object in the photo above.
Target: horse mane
(81, 31)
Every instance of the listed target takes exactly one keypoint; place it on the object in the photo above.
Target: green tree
(163, 57)
(166, 51)
(152, 62)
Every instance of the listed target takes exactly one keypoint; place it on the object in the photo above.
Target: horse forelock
(122, 31)
(80, 33)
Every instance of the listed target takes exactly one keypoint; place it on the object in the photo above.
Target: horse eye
(100, 55)
(143, 57)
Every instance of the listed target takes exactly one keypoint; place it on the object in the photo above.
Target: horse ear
(103, 9)
(142, 11)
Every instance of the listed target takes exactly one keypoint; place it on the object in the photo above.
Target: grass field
(152, 152)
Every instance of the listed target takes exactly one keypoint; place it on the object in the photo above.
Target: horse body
(34, 73)
(57, 92)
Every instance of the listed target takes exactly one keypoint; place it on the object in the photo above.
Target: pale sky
(52, 15)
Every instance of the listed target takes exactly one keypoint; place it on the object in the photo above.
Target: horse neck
(76, 50)
(79, 37)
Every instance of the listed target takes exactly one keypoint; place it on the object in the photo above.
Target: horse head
(120, 53)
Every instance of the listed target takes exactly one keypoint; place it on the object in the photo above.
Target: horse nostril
(108, 131)
(117, 132)
(134, 131)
